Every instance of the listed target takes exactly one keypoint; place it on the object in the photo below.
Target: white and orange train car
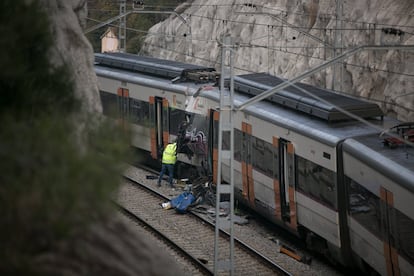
(298, 160)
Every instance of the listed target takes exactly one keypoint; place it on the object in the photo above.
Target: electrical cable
(261, 46)
(285, 12)
(266, 47)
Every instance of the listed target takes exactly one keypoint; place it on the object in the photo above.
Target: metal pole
(338, 45)
(223, 261)
(122, 26)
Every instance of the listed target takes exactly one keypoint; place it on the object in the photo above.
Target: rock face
(73, 48)
(111, 247)
(286, 38)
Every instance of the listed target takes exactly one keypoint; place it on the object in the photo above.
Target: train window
(316, 181)
(268, 158)
(109, 104)
(197, 132)
(246, 148)
(404, 235)
(165, 118)
(139, 112)
(237, 144)
(258, 154)
(177, 116)
(226, 140)
(364, 207)
(215, 132)
(262, 156)
(275, 162)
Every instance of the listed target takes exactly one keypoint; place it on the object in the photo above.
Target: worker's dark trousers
(170, 168)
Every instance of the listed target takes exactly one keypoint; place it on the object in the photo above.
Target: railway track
(197, 265)
(192, 235)
(195, 235)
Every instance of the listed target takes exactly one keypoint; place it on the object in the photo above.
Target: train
(343, 185)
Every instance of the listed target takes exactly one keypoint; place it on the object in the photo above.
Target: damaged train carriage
(141, 93)
(288, 155)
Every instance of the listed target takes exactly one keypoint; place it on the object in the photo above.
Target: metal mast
(338, 47)
(122, 26)
(224, 261)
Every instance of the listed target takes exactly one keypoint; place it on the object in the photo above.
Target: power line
(225, 20)
(320, 99)
(254, 6)
(285, 12)
(321, 16)
(283, 25)
(279, 49)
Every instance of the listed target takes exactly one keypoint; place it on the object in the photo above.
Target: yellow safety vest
(169, 156)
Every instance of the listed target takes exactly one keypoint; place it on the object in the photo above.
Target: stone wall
(73, 48)
(110, 247)
(287, 38)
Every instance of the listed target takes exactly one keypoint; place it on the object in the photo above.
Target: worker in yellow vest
(169, 157)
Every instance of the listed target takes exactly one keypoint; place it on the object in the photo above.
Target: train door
(390, 232)
(123, 106)
(159, 129)
(286, 182)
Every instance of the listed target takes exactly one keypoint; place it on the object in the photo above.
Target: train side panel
(308, 204)
(381, 217)
(143, 114)
(289, 166)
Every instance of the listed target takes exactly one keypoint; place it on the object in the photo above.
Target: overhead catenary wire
(251, 71)
(268, 7)
(275, 49)
(284, 12)
(299, 27)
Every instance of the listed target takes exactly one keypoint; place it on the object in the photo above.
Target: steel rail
(242, 244)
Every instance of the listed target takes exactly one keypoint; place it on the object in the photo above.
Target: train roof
(325, 105)
(313, 127)
(396, 162)
(177, 71)
(153, 81)
(314, 101)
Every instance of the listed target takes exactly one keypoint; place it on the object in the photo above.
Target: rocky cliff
(72, 48)
(287, 38)
(109, 246)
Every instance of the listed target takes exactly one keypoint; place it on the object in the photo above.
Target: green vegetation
(137, 24)
(49, 189)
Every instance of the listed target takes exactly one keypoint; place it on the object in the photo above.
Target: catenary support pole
(224, 259)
